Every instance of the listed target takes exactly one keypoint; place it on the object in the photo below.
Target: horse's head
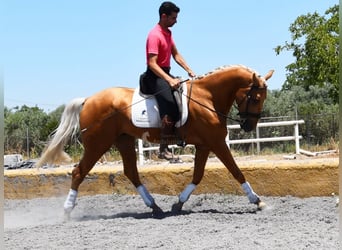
(250, 101)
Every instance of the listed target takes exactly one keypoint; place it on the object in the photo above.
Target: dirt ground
(210, 221)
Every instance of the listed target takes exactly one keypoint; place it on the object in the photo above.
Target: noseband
(246, 114)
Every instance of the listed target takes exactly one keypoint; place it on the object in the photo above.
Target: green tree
(52, 122)
(314, 106)
(297, 101)
(29, 128)
(315, 46)
(23, 129)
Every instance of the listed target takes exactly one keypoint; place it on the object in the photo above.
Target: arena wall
(301, 178)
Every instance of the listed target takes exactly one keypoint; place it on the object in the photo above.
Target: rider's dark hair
(167, 8)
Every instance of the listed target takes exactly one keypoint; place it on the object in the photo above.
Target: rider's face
(171, 19)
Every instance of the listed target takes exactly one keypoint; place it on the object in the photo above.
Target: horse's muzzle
(247, 125)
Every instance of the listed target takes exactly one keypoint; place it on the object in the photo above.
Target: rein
(211, 109)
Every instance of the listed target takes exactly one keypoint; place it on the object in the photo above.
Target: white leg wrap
(253, 197)
(184, 196)
(145, 195)
(70, 201)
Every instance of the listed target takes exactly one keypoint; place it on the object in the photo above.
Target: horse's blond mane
(224, 67)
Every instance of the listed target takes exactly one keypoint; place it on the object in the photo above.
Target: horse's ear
(269, 74)
(255, 79)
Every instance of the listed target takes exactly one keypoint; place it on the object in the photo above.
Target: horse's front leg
(223, 153)
(201, 157)
(126, 147)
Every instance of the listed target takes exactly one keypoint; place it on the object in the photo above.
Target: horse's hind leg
(78, 174)
(126, 146)
(92, 152)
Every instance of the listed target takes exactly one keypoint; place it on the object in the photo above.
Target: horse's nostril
(247, 126)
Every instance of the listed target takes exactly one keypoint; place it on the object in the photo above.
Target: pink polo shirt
(160, 42)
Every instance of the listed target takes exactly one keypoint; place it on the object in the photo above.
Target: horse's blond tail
(68, 127)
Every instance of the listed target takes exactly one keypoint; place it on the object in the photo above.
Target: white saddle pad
(145, 111)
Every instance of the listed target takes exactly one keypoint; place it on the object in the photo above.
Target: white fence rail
(296, 137)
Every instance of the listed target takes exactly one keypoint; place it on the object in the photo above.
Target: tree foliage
(296, 102)
(23, 128)
(315, 46)
(27, 129)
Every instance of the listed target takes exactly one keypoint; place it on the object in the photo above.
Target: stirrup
(181, 143)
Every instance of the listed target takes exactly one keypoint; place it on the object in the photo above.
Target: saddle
(145, 111)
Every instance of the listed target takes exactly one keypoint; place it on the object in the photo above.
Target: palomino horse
(104, 119)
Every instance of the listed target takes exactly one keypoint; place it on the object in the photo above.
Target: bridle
(250, 97)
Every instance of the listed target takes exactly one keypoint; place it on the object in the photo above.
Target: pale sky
(54, 51)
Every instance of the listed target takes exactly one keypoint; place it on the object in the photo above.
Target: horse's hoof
(261, 205)
(66, 216)
(177, 208)
(157, 212)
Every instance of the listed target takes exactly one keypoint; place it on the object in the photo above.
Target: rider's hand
(191, 73)
(174, 83)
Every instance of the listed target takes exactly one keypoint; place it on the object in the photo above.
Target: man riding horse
(157, 79)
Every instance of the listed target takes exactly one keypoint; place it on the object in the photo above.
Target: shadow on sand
(150, 215)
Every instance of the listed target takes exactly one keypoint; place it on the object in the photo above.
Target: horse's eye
(255, 101)
(257, 98)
